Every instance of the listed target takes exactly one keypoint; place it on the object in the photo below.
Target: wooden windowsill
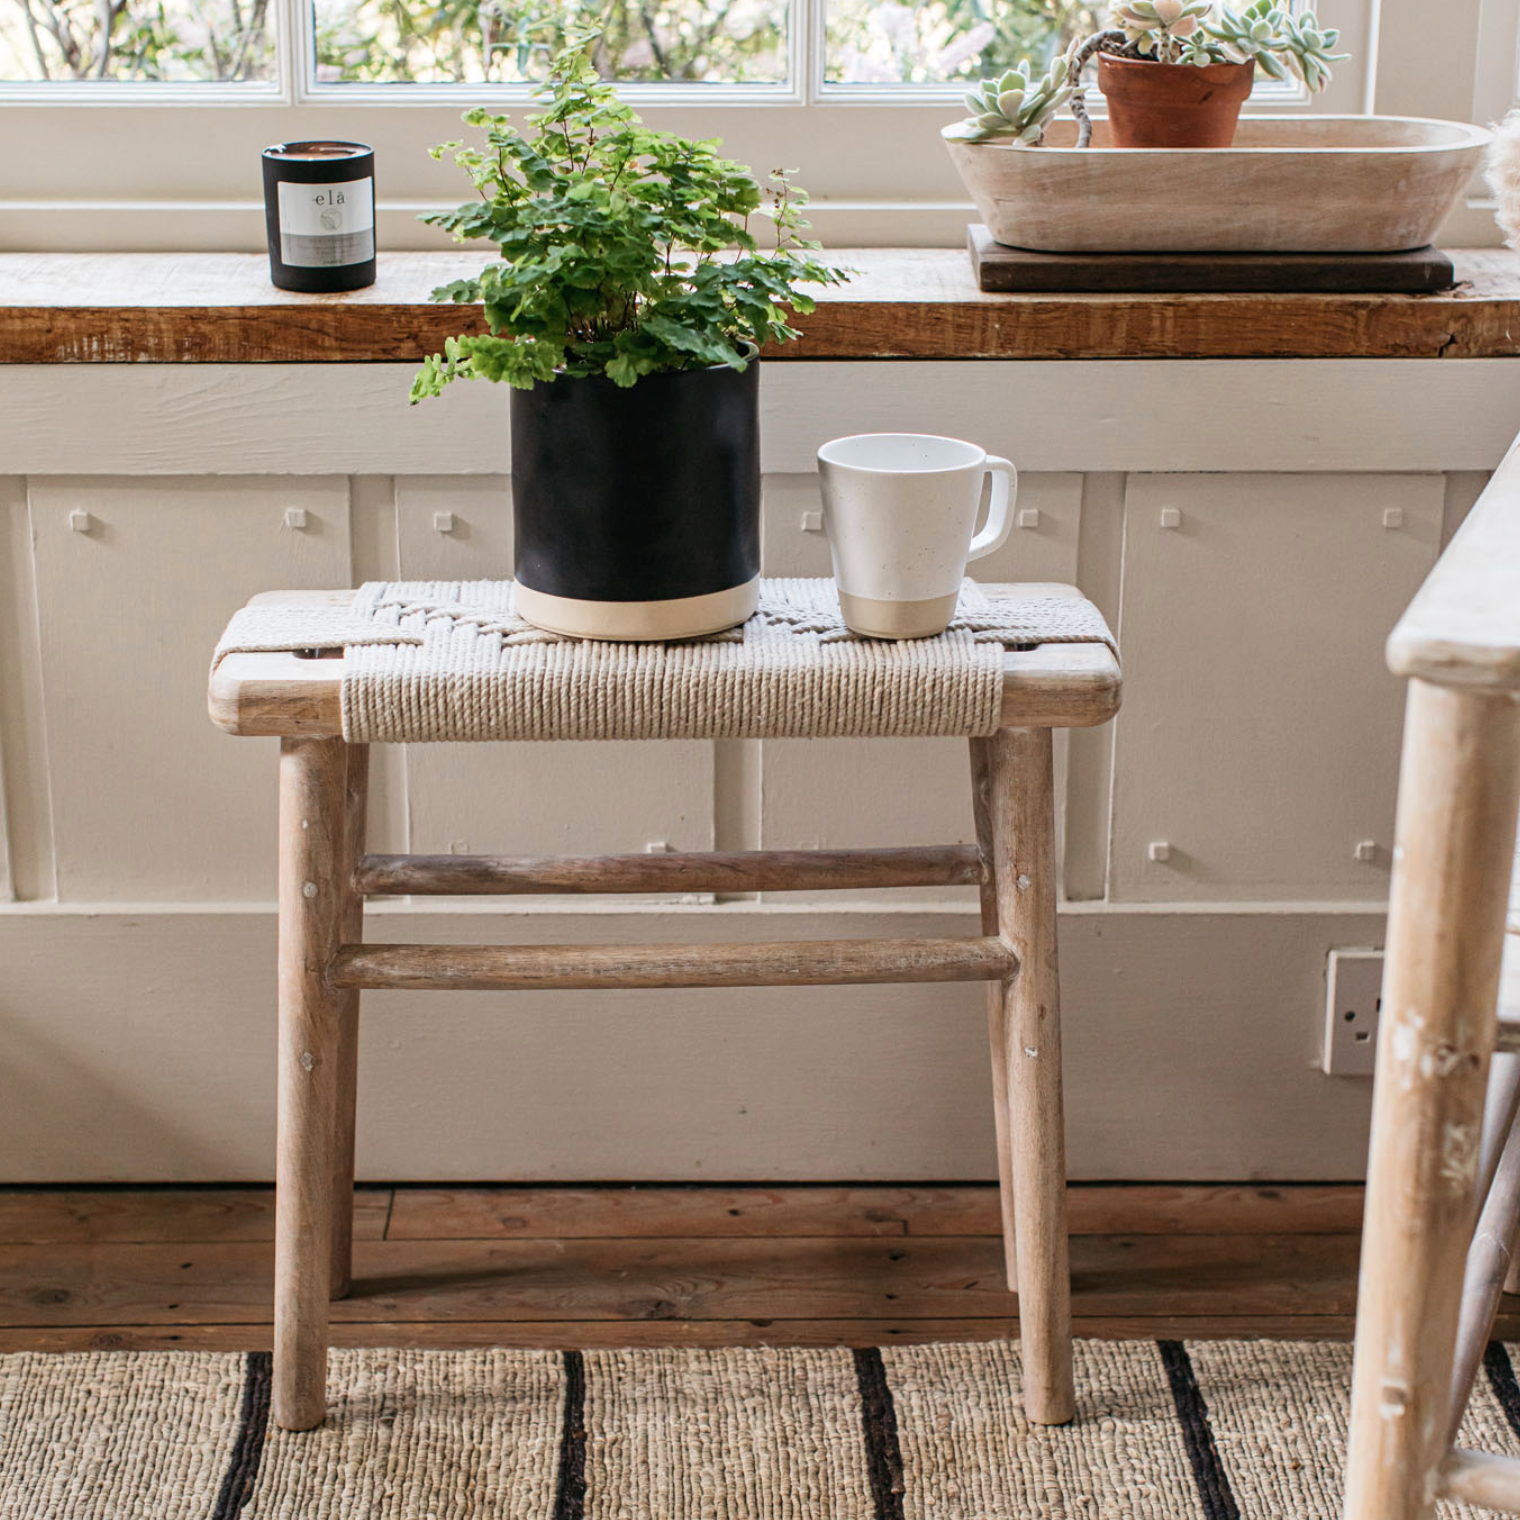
(903, 303)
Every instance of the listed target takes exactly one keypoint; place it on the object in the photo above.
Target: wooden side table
(325, 875)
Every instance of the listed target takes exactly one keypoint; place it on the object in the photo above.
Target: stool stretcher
(1483, 1478)
(786, 963)
(950, 865)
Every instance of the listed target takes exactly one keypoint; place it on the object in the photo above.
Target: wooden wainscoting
(1259, 740)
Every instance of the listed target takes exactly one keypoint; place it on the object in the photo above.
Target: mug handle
(1005, 490)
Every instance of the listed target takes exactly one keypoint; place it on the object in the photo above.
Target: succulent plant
(1015, 104)
(1265, 33)
(1281, 44)
(1159, 27)
(1200, 51)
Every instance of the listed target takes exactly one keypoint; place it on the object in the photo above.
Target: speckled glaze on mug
(899, 509)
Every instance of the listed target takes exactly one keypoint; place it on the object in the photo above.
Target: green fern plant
(623, 251)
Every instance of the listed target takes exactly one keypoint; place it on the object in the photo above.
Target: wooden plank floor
(573, 1267)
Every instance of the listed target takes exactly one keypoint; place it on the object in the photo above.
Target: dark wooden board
(1418, 271)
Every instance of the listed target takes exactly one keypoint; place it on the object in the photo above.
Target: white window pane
(880, 42)
(184, 41)
(508, 41)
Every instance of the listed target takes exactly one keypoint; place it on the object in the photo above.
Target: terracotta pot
(1173, 105)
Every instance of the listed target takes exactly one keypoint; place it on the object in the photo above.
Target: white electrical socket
(1353, 1001)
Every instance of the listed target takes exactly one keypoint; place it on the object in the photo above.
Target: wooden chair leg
(1512, 1277)
(355, 811)
(313, 801)
(1488, 1260)
(1458, 790)
(981, 807)
(1022, 811)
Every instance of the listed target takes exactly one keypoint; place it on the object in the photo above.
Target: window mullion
(298, 28)
(810, 18)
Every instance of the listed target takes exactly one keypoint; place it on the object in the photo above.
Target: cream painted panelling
(527, 799)
(1260, 733)
(1168, 414)
(1090, 751)
(135, 580)
(1259, 737)
(24, 799)
(17, 634)
(141, 1047)
(1045, 414)
(892, 791)
(454, 527)
(7, 890)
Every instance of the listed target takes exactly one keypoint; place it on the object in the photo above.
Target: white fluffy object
(1502, 170)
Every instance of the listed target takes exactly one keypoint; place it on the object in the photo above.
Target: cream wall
(1259, 738)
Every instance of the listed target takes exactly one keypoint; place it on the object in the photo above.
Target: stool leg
(1458, 787)
(1023, 839)
(981, 807)
(313, 788)
(355, 810)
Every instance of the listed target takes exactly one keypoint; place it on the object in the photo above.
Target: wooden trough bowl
(1306, 184)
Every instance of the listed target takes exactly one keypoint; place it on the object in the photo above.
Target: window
(117, 41)
(868, 42)
(643, 41)
(878, 42)
(143, 119)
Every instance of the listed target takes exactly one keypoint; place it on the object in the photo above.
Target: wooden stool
(1443, 1191)
(325, 875)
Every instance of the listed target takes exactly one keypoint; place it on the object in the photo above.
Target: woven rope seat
(450, 660)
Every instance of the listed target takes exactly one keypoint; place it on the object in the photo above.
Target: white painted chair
(1443, 1192)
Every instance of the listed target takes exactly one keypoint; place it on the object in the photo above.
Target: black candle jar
(319, 211)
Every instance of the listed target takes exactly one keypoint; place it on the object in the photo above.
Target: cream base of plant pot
(898, 620)
(684, 617)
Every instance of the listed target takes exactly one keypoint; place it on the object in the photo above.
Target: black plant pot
(638, 511)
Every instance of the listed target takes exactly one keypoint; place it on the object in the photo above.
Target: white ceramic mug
(900, 509)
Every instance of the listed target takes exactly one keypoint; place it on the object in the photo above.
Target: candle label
(322, 225)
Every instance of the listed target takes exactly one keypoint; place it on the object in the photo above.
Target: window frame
(296, 83)
(868, 154)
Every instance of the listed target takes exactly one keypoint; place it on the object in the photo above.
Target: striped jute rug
(1165, 1431)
